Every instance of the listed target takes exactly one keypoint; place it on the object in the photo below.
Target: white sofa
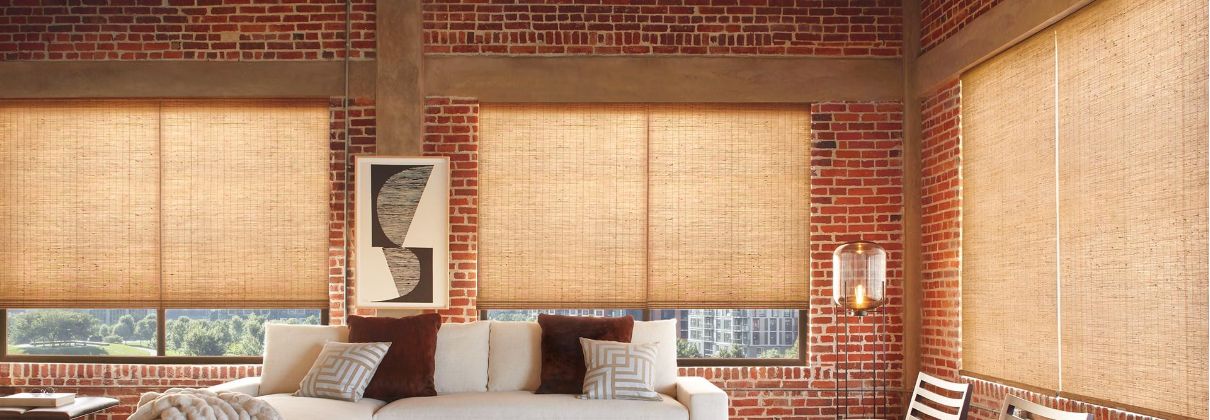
(484, 370)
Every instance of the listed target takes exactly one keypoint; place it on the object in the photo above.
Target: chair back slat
(934, 413)
(944, 384)
(924, 401)
(939, 399)
(1013, 405)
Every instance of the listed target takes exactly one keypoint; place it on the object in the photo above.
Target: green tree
(730, 352)
(236, 327)
(102, 330)
(205, 339)
(50, 325)
(175, 334)
(772, 354)
(145, 328)
(792, 352)
(125, 327)
(255, 328)
(246, 346)
(686, 350)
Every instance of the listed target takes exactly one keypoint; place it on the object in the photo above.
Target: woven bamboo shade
(245, 204)
(1133, 188)
(730, 206)
(78, 205)
(204, 204)
(1009, 318)
(629, 206)
(562, 206)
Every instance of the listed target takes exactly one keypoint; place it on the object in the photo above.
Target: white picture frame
(401, 233)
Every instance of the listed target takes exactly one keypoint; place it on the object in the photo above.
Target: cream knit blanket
(201, 404)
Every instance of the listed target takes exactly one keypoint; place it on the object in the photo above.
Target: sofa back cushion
(290, 350)
(408, 368)
(462, 357)
(515, 354)
(664, 333)
(562, 357)
(514, 361)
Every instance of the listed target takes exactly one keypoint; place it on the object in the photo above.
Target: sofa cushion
(515, 405)
(619, 371)
(462, 357)
(563, 359)
(407, 370)
(342, 371)
(514, 361)
(306, 408)
(664, 333)
(290, 350)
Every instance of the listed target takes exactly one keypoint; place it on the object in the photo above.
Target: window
(135, 332)
(713, 336)
(657, 206)
(531, 315)
(155, 204)
(1084, 202)
(227, 332)
(82, 332)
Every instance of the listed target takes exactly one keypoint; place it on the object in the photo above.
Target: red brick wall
(451, 127)
(696, 27)
(183, 30)
(357, 130)
(856, 194)
(941, 202)
(939, 19)
(941, 335)
(124, 382)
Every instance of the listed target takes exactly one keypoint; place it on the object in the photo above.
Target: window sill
(710, 362)
(136, 360)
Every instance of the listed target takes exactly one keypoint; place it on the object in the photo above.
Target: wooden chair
(924, 403)
(1017, 408)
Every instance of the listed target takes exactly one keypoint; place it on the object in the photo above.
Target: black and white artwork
(402, 219)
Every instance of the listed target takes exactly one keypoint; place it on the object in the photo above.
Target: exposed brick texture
(939, 19)
(941, 199)
(695, 27)
(357, 130)
(451, 129)
(183, 30)
(124, 382)
(856, 194)
(941, 202)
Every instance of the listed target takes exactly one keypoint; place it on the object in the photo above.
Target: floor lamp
(858, 289)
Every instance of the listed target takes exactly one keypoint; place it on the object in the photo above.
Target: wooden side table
(82, 407)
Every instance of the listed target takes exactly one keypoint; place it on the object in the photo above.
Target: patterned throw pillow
(342, 371)
(619, 371)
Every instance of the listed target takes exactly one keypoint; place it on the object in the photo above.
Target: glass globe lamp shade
(859, 276)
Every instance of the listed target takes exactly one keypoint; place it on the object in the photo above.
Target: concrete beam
(663, 79)
(183, 79)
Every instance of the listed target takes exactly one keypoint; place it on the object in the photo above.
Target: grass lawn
(87, 350)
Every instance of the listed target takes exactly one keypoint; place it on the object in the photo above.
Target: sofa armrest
(250, 386)
(704, 400)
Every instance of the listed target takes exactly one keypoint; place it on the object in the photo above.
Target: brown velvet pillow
(562, 358)
(407, 370)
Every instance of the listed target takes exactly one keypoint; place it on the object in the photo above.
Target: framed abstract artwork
(402, 232)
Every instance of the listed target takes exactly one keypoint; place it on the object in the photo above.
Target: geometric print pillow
(342, 371)
(619, 371)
